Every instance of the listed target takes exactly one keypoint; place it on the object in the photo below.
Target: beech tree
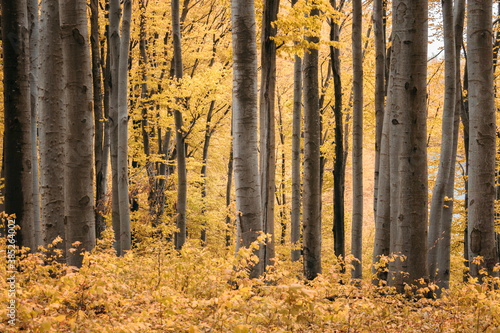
(17, 120)
(357, 133)
(409, 136)
(482, 127)
(296, 184)
(312, 187)
(246, 163)
(52, 123)
(78, 170)
(118, 117)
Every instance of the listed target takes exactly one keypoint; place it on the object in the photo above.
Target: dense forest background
(150, 146)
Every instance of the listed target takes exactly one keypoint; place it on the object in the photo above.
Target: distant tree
(78, 170)
(296, 184)
(482, 131)
(180, 145)
(245, 108)
(17, 119)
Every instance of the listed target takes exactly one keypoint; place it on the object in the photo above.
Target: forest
(250, 166)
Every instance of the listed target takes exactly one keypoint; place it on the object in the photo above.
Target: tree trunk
(482, 138)
(409, 66)
(245, 117)
(297, 118)
(17, 120)
(381, 188)
(439, 202)
(357, 139)
(114, 54)
(228, 197)
(99, 121)
(33, 22)
(444, 248)
(122, 155)
(267, 125)
(312, 189)
(206, 144)
(52, 126)
(338, 169)
(78, 173)
(180, 145)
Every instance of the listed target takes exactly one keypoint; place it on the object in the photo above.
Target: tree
(118, 117)
(52, 122)
(297, 118)
(246, 165)
(78, 170)
(357, 134)
(33, 22)
(180, 145)
(17, 120)
(382, 224)
(409, 136)
(312, 187)
(267, 124)
(339, 165)
(100, 151)
(482, 127)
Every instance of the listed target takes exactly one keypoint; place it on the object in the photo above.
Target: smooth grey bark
(17, 120)
(312, 188)
(439, 193)
(33, 22)
(180, 236)
(245, 118)
(267, 125)
(99, 120)
(52, 126)
(444, 248)
(409, 66)
(78, 171)
(296, 131)
(382, 231)
(357, 140)
(482, 126)
(114, 55)
(122, 155)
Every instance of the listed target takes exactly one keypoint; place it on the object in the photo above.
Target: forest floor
(156, 289)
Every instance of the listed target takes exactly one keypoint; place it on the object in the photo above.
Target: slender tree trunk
(228, 198)
(283, 174)
(17, 120)
(409, 65)
(267, 125)
(206, 144)
(100, 223)
(312, 187)
(122, 156)
(444, 248)
(52, 126)
(296, 188)
(379, 7)
(33, 22)
(114, 52)
(338, 169)
(482, 138)
(357, 139)
(382, 231)
(78, 173)
(245, 118)
(464, 116)
(181, 150)
(439, 193)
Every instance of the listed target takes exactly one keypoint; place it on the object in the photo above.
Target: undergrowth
(156, 289)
